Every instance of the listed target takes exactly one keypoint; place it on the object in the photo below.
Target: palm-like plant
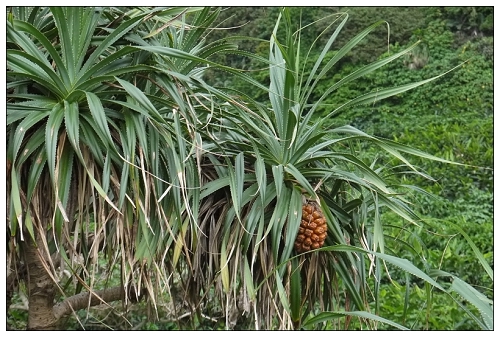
(94, 165)
(273, 158)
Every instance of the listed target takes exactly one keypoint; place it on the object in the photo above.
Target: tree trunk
(43, 312)
(41, 288)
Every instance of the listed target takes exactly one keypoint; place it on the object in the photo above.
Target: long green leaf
(33, 50)
(239, 170)
(148, 107)
(72, 122)
(35, 172)
(295, 292)
(330, 315)
(403, 264)
(110, 39)
(342, 52)
(320, 59)
(301, 179)
(224, 265)
(278, 178)
(60, 15)
(477, 252)
(293, 222)
(52, 136)
(249, 281)
(64, 171)
(100, 118)
(359, 73)
(260, 172)
(282, 292)
(113, 65)
(26, 124)
(175, 53)
(384, 93)
(31, 67)
(18, 208)
(471, 295)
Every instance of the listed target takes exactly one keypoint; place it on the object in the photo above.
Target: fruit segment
(312, 230)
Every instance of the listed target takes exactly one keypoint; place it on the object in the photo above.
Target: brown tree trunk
(41, 288)
(43, 312)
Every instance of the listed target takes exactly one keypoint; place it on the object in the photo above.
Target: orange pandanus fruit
(312, 230)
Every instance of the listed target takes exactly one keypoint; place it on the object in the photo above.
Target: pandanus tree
(94, 165)
(117, 148)
(282, 168)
